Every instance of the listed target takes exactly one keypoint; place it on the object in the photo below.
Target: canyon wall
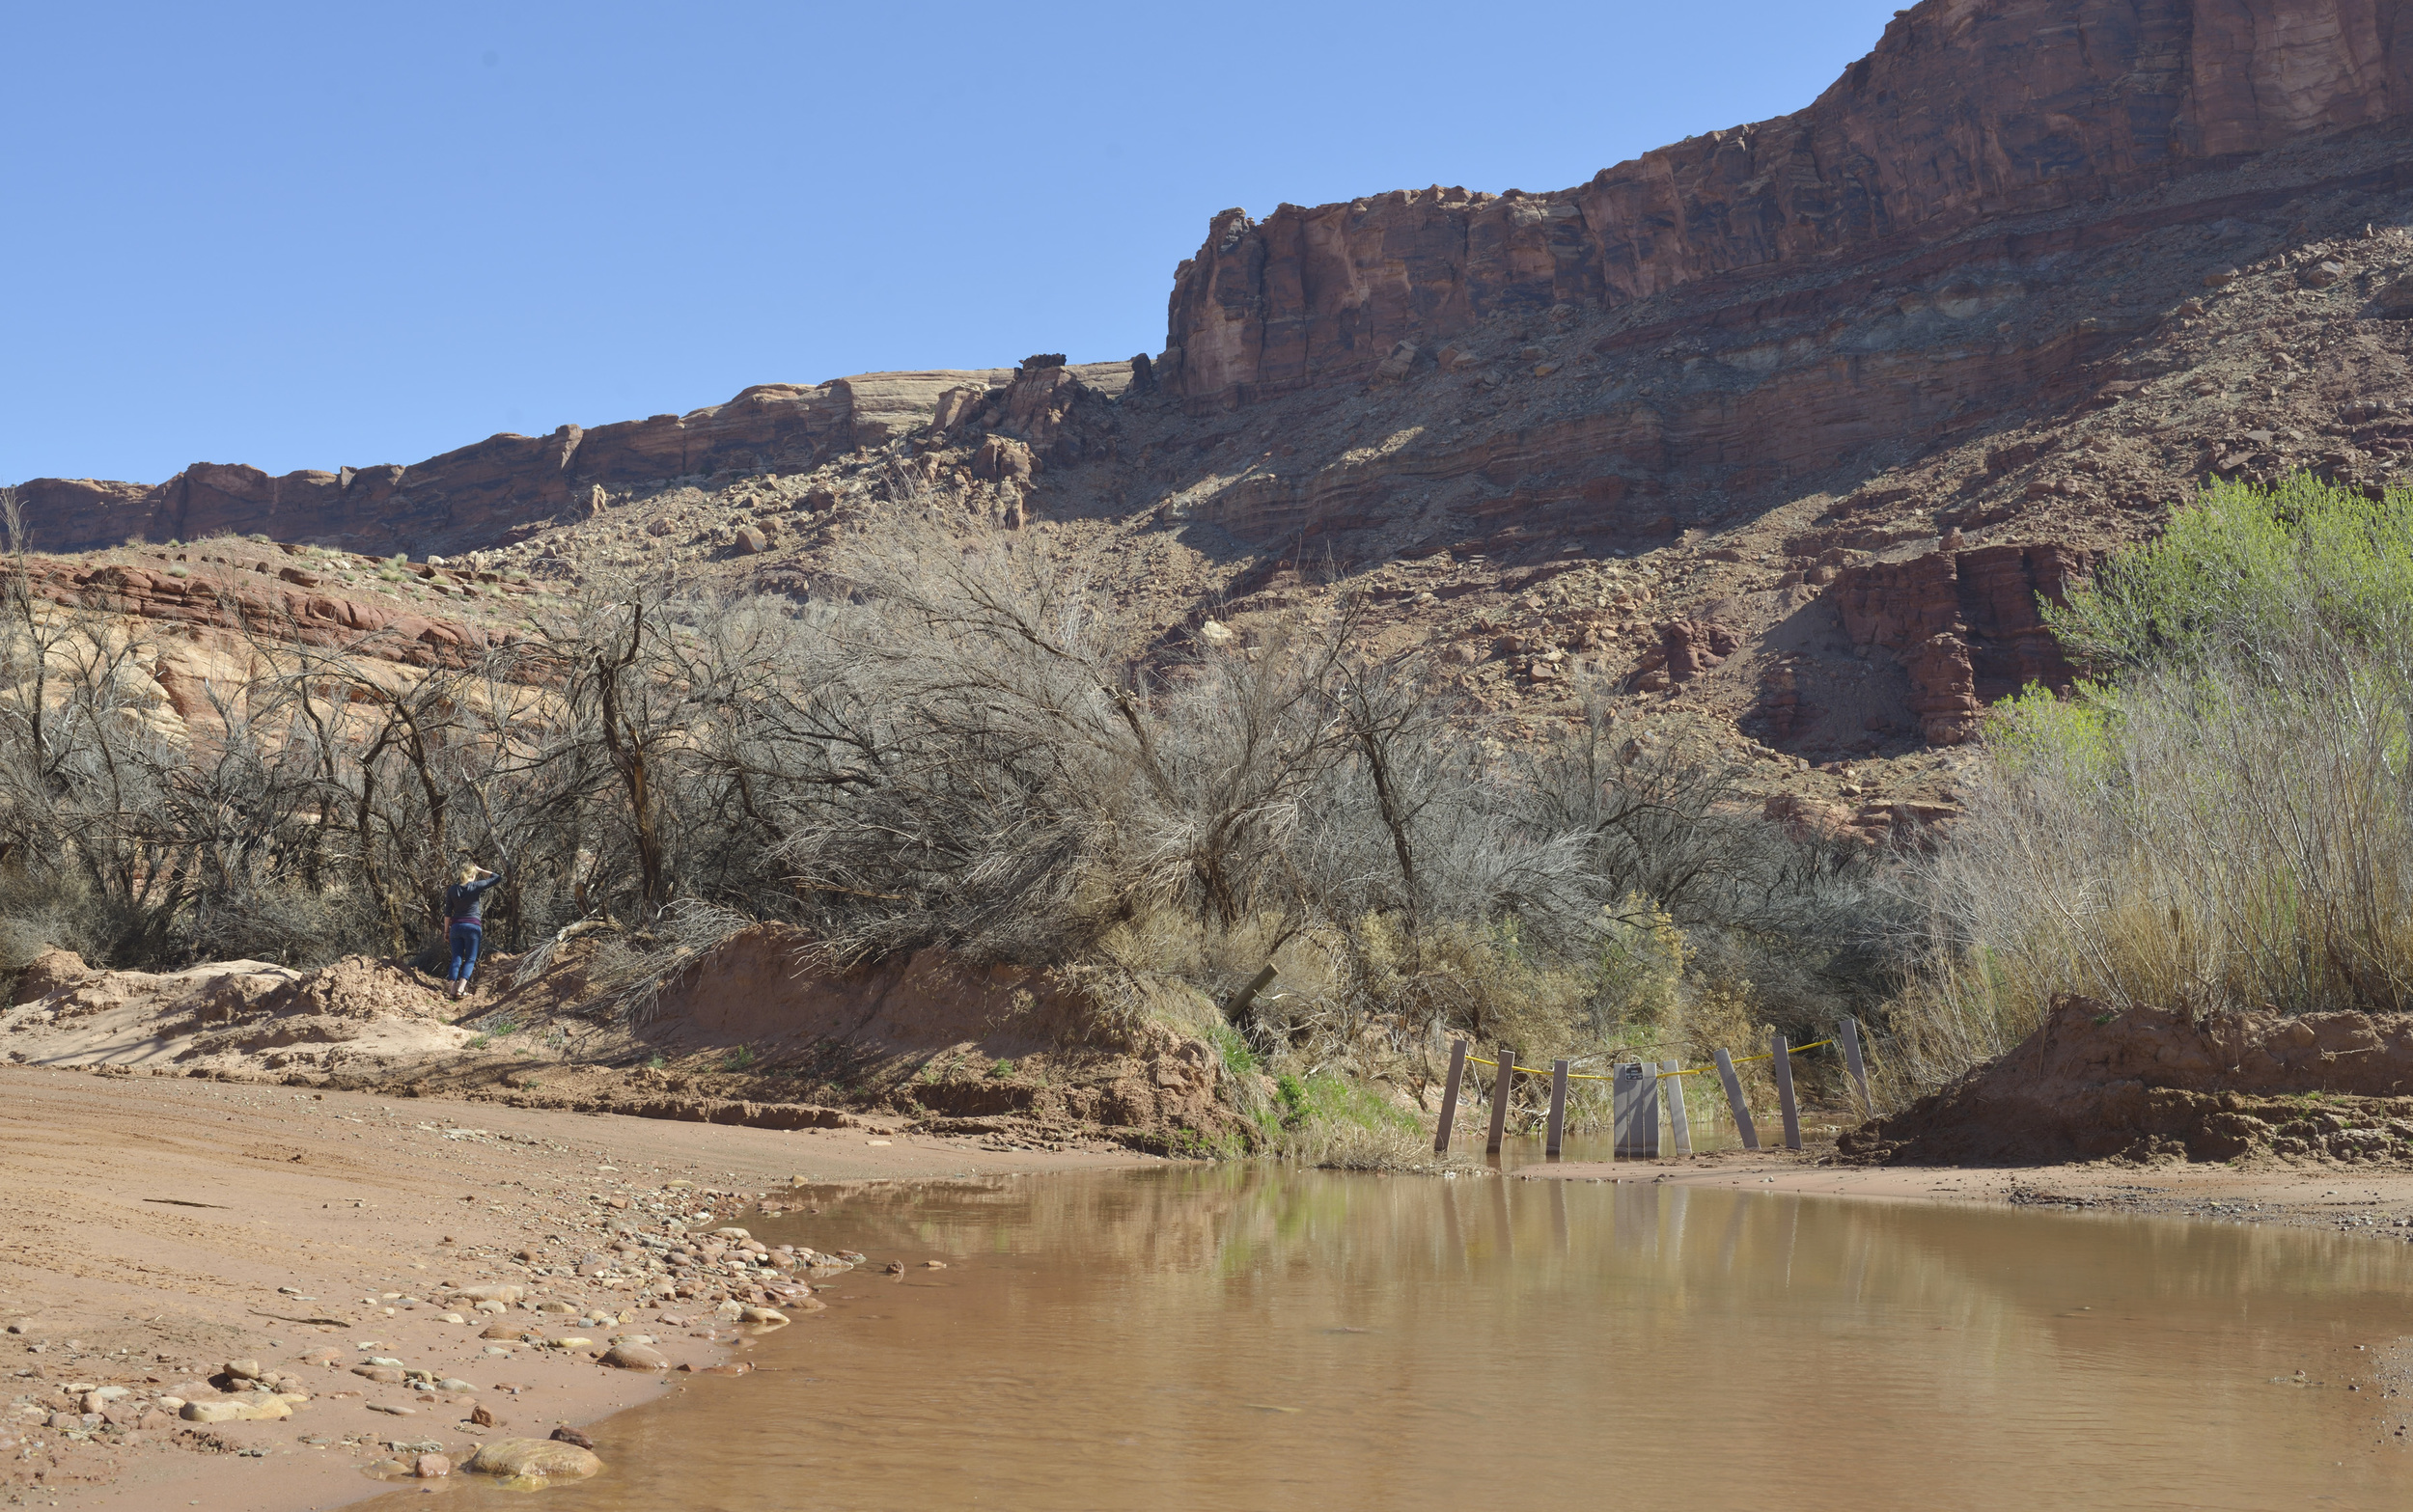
(507, 485)
(1783, 429)
(1966, 110)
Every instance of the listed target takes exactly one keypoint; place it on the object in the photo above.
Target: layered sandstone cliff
(1967, 111)
(508, 485)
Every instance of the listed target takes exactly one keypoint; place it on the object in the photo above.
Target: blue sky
(317, 235)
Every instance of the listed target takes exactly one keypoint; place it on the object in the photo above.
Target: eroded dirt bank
(2145, 1085)
(745, 1035)
(159, 1229)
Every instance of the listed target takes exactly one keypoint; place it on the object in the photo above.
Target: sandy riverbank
(159, 1227)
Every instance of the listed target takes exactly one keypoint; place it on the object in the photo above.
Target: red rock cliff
(1967, 109)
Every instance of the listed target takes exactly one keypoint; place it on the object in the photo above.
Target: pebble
(428, 1467)
(392, 1410)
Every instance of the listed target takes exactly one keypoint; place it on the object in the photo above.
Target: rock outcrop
(1966, 625)
(1967, 110)
(287, 608)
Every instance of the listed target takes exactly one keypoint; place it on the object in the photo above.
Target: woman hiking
(464, 905)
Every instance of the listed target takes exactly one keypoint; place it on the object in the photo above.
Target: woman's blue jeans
(467, 938)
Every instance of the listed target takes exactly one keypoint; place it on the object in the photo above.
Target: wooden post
(1558, 1111)
(1859, 1069)
(1734, 1100)
(1236, 1011)
(1676, 1120)
(1501, 1090)
(1634, 1101)
(1781, 1055)
(1449, 1096)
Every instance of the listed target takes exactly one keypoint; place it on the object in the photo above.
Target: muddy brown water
(1245, 1337)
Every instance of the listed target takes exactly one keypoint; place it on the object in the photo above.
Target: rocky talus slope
(1774, 436)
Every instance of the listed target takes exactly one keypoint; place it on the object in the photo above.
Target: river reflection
(1244, 1336)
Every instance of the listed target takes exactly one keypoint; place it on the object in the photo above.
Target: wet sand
(2354, 1199)
(159, 1228)
(155, 1228)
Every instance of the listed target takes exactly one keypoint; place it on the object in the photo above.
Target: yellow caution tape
(1582, 1076)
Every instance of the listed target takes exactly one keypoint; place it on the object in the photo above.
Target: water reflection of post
(1792, 1231)
(1557, 1217)
(1452, 1237)
(1500, 1218)
(1676, 1201)
(1735, 1206)
(1636, 1209)
(1860, 1237)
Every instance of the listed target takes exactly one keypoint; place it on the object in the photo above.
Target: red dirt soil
(2090, 1083)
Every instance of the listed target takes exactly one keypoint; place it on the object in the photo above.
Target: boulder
(527, 1463)
(259, 1407)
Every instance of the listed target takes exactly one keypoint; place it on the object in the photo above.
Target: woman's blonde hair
(466, 873)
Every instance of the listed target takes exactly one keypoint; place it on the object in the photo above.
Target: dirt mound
(2090, 1083)
(931, 1037)
(357, 1017)
(355, 988)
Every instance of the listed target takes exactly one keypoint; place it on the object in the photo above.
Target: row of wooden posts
(1634, 1097)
